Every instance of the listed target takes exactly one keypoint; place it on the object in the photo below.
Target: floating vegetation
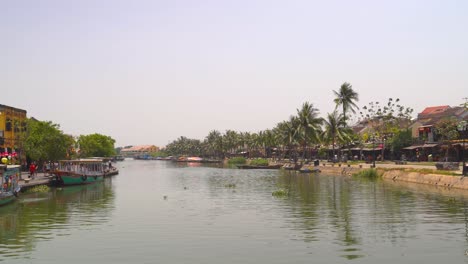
(230, 185)
(368, 173)
(38, 189)
(237, 160)
(280, 193)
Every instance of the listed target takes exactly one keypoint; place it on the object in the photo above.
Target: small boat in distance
(79, 171)
(9, 190)
(118, 158)
(196, 160)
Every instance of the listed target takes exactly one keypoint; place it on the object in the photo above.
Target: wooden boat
(292, 166)
(80, 171)
(267, 167)
(10, 174)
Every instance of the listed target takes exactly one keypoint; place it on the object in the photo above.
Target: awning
(429, 145)
(413, 147)
(371, 149)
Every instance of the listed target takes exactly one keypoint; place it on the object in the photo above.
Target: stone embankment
(398, 174)
(447, 181)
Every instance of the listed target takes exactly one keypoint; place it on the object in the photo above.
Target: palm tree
(347, 98)
(215, 143)
(334, 129)
(309, 123)
(287, 134)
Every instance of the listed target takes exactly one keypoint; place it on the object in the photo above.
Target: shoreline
(399, 173)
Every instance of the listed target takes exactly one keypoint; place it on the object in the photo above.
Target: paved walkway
(39, 179)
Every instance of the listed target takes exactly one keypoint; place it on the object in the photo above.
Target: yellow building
(12, 125)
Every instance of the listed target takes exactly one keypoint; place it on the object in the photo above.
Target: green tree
(402, 138)
(309, 124)
(446, 131)
(45, 141)
(334, 130)
(346, 97)
(96, 145)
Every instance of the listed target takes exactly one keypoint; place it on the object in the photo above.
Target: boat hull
(7, 198)
(66, 179)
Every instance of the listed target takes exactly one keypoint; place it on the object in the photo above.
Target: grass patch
(237, 160)
(368, 173)
(38, 189)
(259, 162)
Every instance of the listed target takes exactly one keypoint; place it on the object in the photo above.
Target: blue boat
(10, 174)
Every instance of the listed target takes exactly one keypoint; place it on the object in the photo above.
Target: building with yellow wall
(12, 125)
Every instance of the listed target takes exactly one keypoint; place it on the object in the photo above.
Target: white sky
(147, 72)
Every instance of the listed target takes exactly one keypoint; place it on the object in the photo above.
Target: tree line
(306, 133)
(44, 141)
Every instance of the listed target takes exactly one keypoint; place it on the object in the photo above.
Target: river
(163, 212)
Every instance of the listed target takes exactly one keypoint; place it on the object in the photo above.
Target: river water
(162, 212)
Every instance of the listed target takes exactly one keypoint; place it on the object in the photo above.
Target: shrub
(369, 173)
(237, 160)
(259, 162)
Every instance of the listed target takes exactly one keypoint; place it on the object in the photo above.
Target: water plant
(368, 173)
(39, 189)
(237, 160)
(280, 193)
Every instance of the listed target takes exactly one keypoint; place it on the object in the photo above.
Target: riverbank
(400, 173)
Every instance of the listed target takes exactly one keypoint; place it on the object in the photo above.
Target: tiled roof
(434, 110)
(139, 148)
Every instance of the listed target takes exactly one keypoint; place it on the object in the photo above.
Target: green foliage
(280, 193)
(230, 185)
(45, 141)
(184, 147)
(237, 160)
(401, 139)
(346, 97)
(446, 129)
(38, 189)
(96, 145)
(160, 153)
(259, 162)
(368, 173)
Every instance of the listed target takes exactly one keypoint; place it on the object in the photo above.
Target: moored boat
(80, 171)
(9, 190)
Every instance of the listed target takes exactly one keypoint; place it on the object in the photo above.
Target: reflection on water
(163, 212)
(43, 216)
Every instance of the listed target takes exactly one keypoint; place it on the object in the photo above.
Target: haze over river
(164, 212)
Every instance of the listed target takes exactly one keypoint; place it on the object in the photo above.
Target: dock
(25, 182)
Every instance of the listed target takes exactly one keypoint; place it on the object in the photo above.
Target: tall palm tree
(215, 143)
(334, 130)
(287, 134)
(347, 98)
(309, 123)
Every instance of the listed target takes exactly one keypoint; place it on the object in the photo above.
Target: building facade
(12, 126)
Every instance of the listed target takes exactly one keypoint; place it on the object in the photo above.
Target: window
(8, 125)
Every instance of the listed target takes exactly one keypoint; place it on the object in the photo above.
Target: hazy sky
(147, 72)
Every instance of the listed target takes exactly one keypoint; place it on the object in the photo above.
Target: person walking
(32, 170)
